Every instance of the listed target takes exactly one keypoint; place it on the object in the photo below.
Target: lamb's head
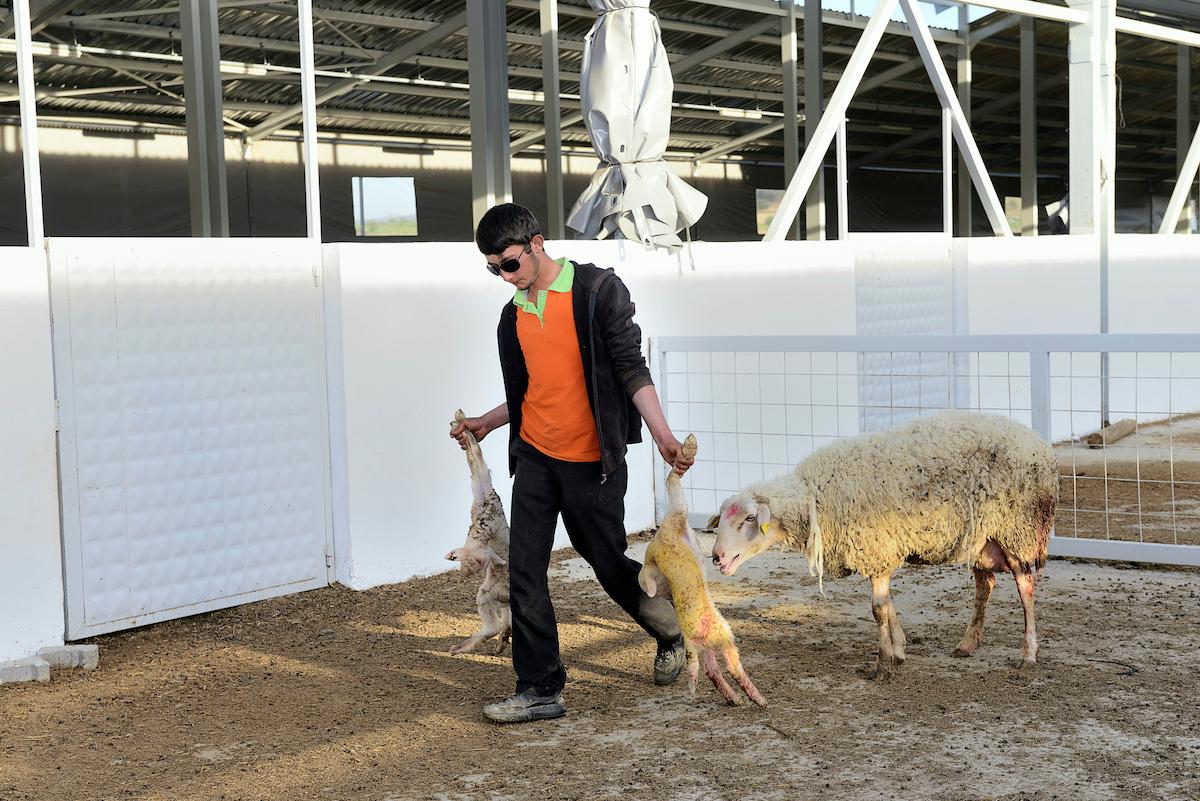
(475, 557)
(744, 530)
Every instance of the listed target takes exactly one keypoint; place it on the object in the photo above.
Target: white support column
(962, 129)
(487, 36)
(966, 196)
(1183, 129)
(308, 99)
(814, 95)
(31, 159)
(1090, 55)
(947, 173)
(834, 113)
(843, 206)
(207, 191)
(1183, 187)
(791, 103)
(555, 209)
(1029, 197)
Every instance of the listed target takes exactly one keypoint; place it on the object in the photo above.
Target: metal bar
(555, 204)
(962, 129)
(1162, 33)
(843, 211)
(207, 192)
(1028, 8)
(39, 17)
(1183, 128)
(1117, 550)
(734, 144)
(308, 94)
(991, 29)
(410, 48)
(814, 154)
(491, 179)
(1029, 198)
(814, 94)
(941, 343)
(791, 103)
(30, 156)
(723, 45)
(947, 173)
(1039, 392)
(1183, 187)
(965, 193)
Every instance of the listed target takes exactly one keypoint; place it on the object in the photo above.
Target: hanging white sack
(625, 93)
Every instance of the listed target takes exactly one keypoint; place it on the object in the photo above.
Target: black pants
(594, 516)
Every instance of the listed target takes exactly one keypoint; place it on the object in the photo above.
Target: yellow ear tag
(763, 527)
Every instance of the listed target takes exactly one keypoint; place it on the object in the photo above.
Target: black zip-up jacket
(610, 344)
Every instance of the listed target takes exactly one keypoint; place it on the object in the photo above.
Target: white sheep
(485, 551)
(958, 487)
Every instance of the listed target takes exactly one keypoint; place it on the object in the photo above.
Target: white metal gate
(193, 445)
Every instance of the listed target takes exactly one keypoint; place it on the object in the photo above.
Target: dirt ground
(334, 694)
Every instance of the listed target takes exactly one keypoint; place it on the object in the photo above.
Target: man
(576, 390)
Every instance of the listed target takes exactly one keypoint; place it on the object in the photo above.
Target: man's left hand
(672, 453)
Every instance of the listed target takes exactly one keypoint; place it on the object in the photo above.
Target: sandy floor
(340, 695)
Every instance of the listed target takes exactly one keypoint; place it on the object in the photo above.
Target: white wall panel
(194, 443)
(419, 337)
(31, 594)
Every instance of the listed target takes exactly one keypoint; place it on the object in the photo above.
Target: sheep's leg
(1029, 649)
(471, 642)
(713, 671)
(733, 661)
(897, 634)
(881, 608)
(693, 666)
(493, 624)
(985, 580)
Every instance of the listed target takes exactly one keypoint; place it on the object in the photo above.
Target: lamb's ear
(713, 521)
(762, 510)
(497, 559)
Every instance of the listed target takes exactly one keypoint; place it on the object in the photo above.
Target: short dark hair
(505, 225)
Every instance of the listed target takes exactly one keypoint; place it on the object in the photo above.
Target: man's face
(526, 256)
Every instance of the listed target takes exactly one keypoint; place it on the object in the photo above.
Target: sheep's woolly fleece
(940, 487)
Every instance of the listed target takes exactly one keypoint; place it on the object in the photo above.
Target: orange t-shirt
(556, 417)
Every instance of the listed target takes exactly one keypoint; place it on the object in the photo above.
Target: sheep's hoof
(1026, 664)
(880, 673)
(960, 653)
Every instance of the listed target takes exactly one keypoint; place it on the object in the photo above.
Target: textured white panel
(904, 286)
(195, 445)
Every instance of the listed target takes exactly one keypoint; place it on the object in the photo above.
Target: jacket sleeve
(614, 316)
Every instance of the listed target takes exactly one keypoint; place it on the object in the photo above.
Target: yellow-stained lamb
(674, 564)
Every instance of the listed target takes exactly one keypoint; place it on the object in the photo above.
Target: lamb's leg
(472, 642)
(505, 629)
(693, 665)
(713, 671)
(1025, 589)
(985, 580)
(881, 608)
(733, 661)
(493, 624)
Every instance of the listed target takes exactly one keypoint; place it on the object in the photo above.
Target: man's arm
(646, 402)
(481, 426)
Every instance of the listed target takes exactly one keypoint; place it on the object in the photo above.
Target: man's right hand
(476, 425)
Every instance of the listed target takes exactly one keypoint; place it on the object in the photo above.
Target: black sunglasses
(508, 265)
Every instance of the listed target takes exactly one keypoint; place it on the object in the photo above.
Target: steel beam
(207, 191)
(835, 112)
(814, 93)
(1183, 129)
(308, 105)
(843, 205)
(30, 156)
(1029, 198)
(411, 47)
(1183, 187)
(555, 203)
(41, 14)
(964, 193)
(1091, 56)
(791, 102)
(491, 179)
(947, 173)
(733, 144)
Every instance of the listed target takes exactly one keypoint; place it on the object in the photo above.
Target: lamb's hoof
(461, 648)
(960, 653)
(499, 649)
(880, 674)
(1026, 664)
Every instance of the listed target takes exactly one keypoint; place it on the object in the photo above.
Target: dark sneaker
(526, 706)
(669, 661)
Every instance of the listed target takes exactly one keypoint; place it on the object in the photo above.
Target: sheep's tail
(815, 549)
(676, 502)
(481, 477)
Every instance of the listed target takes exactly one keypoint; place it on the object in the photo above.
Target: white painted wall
(31, 593)
(418, 331)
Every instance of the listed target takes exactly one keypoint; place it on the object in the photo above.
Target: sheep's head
(474, 558)
(744, 529)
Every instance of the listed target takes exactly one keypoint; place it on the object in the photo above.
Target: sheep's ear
(713, 521)
(763, 512)
(497, 559)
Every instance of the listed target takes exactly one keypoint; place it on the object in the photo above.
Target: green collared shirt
(566, 277)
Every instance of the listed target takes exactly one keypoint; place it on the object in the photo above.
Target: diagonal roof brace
(411, 47)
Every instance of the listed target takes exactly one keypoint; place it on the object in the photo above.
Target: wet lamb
(673, 564)
(485, 551)
(959, 487)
